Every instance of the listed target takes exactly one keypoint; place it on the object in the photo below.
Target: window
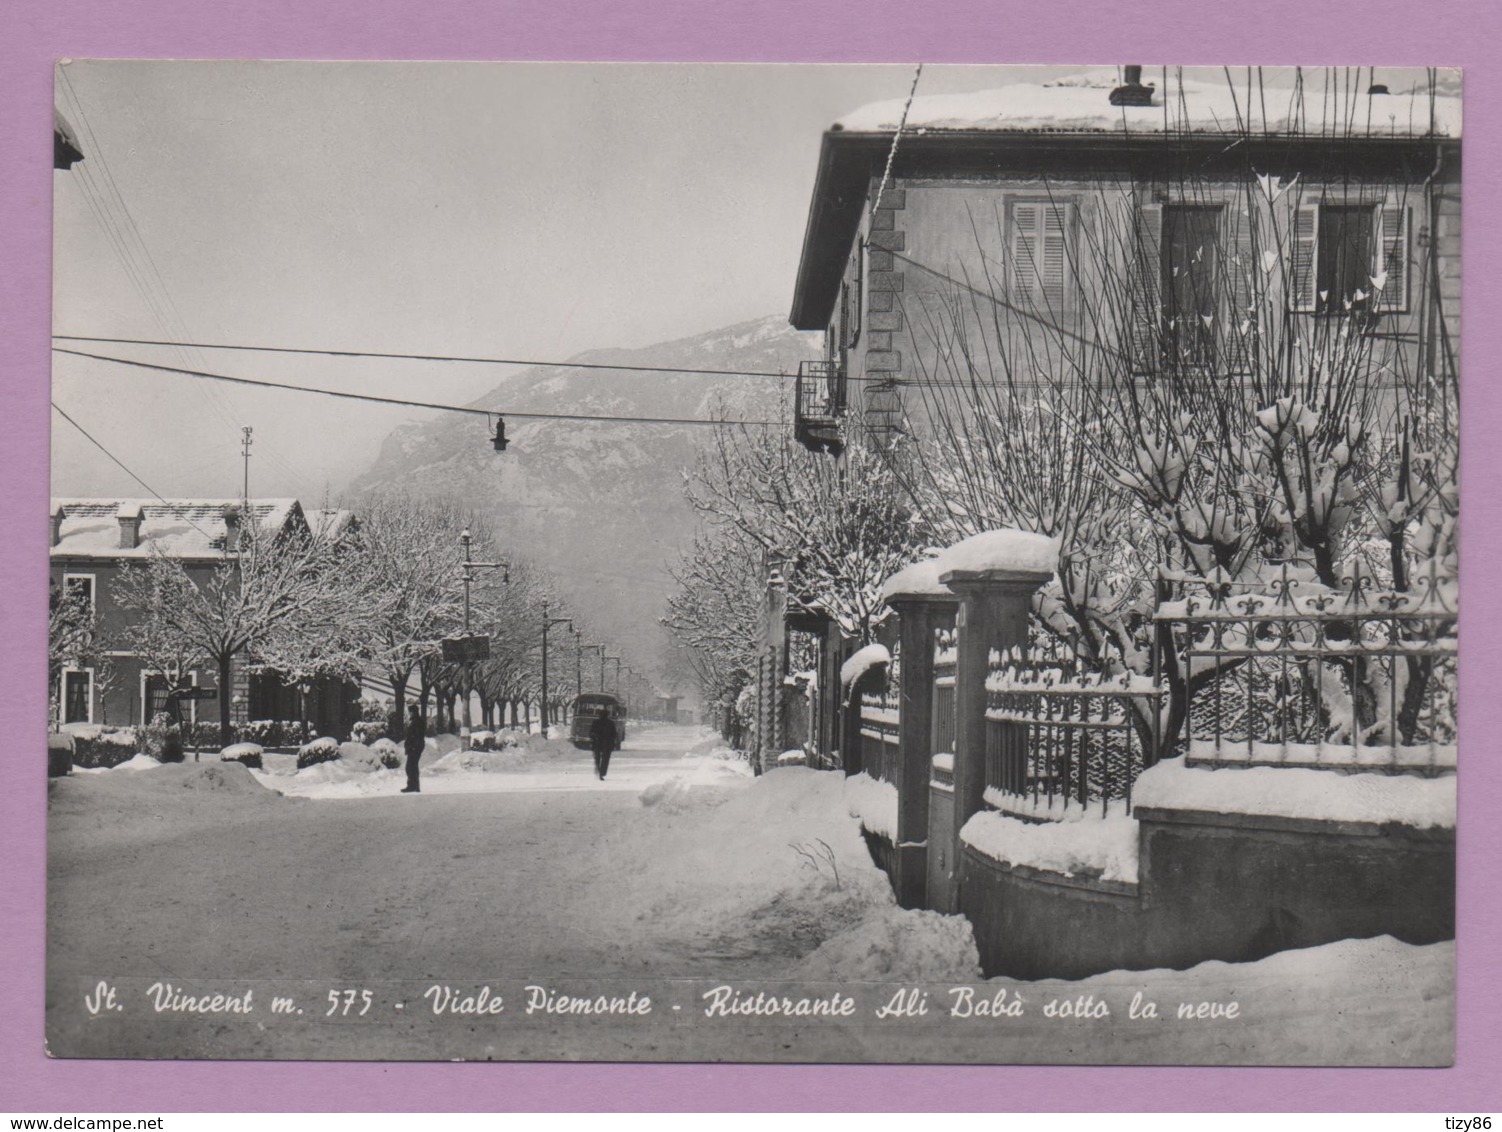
(78, 696)
(80, 586)
(852, 302)
(1191, 287)
(1351, 257)
(1041, 253)
(1191, 270)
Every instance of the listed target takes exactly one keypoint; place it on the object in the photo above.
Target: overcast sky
(514, 210)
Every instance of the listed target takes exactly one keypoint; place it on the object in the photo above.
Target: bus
(589, 707)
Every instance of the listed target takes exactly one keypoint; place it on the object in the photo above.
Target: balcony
(819, 404)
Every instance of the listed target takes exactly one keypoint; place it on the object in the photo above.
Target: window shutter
(1144, 337)
(1055, 267)
(1027, 222)
(1305, 270)
(1392, 240)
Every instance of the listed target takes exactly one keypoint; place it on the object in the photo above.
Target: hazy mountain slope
(602, 506)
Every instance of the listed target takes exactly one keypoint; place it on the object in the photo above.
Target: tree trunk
(399, 694)
(225, 739)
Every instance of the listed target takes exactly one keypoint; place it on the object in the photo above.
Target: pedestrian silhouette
(415, 735)
(602, 739)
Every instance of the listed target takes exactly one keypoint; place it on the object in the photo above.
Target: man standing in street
(416, 734)
(602, 739)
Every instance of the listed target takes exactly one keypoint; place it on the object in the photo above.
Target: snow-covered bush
(388, 752)
(59, 754)
(246, 754)
(163, 739)
(102, 747)
(367, 731)
(321, 750)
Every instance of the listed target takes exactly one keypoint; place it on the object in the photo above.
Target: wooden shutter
(1145, 307)
(1055, 265)
(1027, 224)
(1303, 295)
(1392, 245)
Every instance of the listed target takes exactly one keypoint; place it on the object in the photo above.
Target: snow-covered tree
(835, 529)
(284, 594)
(1166, 447)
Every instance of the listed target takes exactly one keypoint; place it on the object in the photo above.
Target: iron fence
(1059, 737)
(946, 657)
(1292, 673)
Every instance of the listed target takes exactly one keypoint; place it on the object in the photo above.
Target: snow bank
(479, 762)
(894, 944)
(921, 579)
(1021, 552)
(862, 661)
(1298, 792)
(1099, 846)
(137, 762)
(874, 803)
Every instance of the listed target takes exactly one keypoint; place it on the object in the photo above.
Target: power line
(118, 463)
(425, 357)
(399, 401)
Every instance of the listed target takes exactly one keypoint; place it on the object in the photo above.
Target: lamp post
(469, 566)
(601, 649)
(548, 623)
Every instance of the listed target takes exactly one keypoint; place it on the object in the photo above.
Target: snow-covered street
(677, 874)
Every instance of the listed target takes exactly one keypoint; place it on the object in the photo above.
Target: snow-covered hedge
(102, 746)
(246, 754)
(367, 731)
(321, 750)
(390, 754)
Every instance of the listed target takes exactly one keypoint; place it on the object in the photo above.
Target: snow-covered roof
(1081, 104)
(329, 522)
(179, 528)
(1001, 551)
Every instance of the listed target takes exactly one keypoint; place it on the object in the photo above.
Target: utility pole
(469, 566)
(548, 623)
(245, 443)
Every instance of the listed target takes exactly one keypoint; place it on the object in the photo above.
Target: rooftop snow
(1081, 104)
(181, 528)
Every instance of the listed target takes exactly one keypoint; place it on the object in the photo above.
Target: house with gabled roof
(93, 540)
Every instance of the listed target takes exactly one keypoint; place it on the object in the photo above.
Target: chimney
(57, 524)
(232, 532)
(130, 517)
(1131, 92)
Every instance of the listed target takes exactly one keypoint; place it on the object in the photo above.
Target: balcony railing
(819, 404)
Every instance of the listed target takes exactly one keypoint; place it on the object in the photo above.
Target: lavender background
(1097, 32)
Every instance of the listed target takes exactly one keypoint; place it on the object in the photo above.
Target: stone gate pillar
(995, 575)
(923, 604)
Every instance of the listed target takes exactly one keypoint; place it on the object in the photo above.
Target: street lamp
(601, 649)
(548, 623)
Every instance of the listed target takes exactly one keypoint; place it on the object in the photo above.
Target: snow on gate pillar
(995, 575)
(923, 604)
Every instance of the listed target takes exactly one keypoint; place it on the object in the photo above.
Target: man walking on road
(414, 744)
(602, 739)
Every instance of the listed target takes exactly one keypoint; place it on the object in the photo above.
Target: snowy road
(675, 875)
